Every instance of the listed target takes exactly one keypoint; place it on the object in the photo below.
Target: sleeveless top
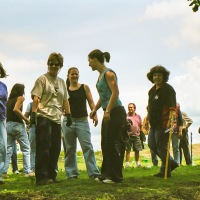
(77, 102)
(105, 92)
(11, 115)
(3, 99)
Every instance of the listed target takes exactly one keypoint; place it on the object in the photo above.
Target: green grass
(138, 184)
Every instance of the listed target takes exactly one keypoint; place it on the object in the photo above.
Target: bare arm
(91, 103)
(66, 107)
(35, 104)
(17, 108)
(112, 83)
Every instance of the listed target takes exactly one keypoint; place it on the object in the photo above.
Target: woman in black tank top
(79, 95)
(16, 128)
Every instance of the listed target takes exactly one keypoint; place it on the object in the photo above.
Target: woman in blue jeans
(114, 118)
(16, 128)
(3, 135)
(79, 95)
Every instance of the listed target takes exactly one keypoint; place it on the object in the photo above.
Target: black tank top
(77, 101)
(11, 115)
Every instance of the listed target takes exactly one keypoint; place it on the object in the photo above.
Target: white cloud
(160, 10)
(20, 41)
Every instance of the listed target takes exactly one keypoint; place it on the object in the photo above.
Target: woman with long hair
(79, 95)
(16, 128)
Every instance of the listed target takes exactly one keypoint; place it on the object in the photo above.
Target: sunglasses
(56, 64)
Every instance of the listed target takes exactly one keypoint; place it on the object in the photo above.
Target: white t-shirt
(52, 92)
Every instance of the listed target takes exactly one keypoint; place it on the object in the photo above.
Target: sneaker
(108, 181)
(5, 175)
(161, 175)
(16, 172)
(100, 178)
(138, 166)
(31, 174)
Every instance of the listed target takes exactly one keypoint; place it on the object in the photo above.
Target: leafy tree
(195, 5)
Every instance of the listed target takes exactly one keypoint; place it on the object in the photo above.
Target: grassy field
(138, 183)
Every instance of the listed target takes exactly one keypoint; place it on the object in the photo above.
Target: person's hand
(92, 114)
(69, 120)
(27, 121)
(129, 124)
(106, 116)
(33, 119)
(95, 120)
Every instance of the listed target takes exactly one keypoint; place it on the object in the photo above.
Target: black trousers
(112, 145)
(184, 145)
(48, 146)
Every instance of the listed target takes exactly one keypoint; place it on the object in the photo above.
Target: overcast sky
(137, 34)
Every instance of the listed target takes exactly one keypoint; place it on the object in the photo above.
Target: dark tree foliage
(195, 5)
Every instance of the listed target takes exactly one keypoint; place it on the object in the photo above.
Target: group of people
(60, 106)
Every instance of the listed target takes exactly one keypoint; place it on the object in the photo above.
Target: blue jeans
(14, 158)
(17, 131)
(158, 143)
(175, 146)
(3, 144)
(79, 129)
(154, 158)
(32, 141)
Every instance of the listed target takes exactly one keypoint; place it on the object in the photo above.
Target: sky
(137, 34)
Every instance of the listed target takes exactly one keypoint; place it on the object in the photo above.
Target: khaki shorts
(134, 143)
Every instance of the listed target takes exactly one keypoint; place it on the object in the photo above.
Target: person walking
(50, 101)
(161, 109)
(3, 135)
(184, 143)
(134, 141)
(16, 128)
(114, 118)
(79, 95)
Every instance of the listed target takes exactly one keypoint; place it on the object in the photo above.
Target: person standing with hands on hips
(50, 101)
(114, 118)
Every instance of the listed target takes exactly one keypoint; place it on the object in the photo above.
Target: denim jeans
(48, 145)
(17, 131)
(3, 144)
(175, 146)
(14, 158)
(32, 141)
(158, 143)
(154, 158)
(79, 129)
